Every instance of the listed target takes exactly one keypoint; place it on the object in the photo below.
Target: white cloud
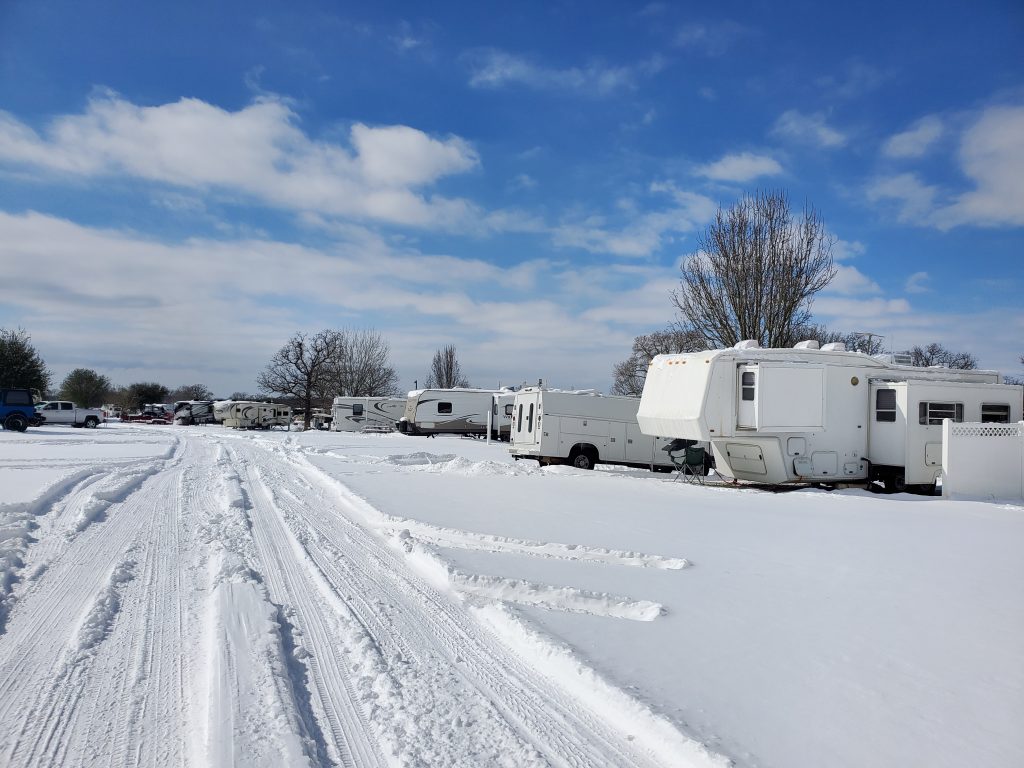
(914, 199)
(808, 129)
(992, 155)
(857, 79)
(916, 140)
(492, 68)
(917, 283)
(851, 281)
(740, 167)
(226, 305)
(258, 151)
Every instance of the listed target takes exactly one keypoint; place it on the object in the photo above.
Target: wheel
(895, 483)
(16, 422)
(91, 422)
(583, 460)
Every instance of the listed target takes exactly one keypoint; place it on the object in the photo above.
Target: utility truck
(820, 415)
(66, 412)
(369, 414)
(583, 428)
(454, 412)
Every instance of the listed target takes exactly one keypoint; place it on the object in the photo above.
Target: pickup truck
(16, 411)
(66, 412)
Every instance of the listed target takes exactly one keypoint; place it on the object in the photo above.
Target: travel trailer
(501, 415)
(193, 412)
(377, 414)
(453, 412)
(818, 415)
(583, 429)
(243, 415)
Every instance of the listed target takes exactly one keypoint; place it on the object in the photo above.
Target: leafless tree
(301, 369)
(868, 343)
(936, 354)
(630, 374)
(755, 273)
(445, 371)
(190, 392)
(362, 367)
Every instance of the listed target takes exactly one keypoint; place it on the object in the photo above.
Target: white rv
(245, 415)
(583, 429)
(818, 415)
(193, 412)
(452, 411)
(377, 414)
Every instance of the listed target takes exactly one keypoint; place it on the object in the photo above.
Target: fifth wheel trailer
(805, 414)
(353, 414)
(246, 415)
(583, 429)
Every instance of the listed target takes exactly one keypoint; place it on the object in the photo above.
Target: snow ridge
(96, 624)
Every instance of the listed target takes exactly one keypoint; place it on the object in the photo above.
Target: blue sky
(183, 187)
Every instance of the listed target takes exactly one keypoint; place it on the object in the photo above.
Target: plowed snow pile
(200, 596)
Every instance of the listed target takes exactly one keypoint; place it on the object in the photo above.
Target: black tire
(16, 422)
(583, 460)
(896, 483)
(91, 422)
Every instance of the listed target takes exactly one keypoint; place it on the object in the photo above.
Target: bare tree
(301, 369)
(445, 371)
(755, 273)
(936, 354)
(630, 374)
(362, 367)
(868, 343)
(191, 392)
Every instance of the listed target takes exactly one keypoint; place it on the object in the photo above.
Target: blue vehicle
(17, 410)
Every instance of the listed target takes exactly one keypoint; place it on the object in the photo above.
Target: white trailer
(583, 429)
(818, 415)
(355, 414)
(453, 412)
(193, 412)
(246, 415)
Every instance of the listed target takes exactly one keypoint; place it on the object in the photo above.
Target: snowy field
(199, 596)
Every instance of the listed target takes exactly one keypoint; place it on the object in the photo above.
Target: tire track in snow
(563, 730)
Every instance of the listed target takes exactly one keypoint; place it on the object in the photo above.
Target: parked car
(17, 412)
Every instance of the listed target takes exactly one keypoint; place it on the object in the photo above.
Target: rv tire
(896, 483)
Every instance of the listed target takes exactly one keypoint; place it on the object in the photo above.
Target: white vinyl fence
(982, 460)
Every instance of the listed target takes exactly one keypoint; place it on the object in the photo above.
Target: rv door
(746, 396)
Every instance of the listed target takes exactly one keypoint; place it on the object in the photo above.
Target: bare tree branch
(445, 371)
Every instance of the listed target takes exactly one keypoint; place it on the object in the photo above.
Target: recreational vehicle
(193, 412)
(818, 415)
(452, 411)
(583, 429)
(243, 415)
(377, 414)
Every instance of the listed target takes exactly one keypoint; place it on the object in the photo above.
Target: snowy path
(228, 604)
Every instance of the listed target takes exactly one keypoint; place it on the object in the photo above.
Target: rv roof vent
(747, 344)
(809, 344)
(902, 358)
(835, 346)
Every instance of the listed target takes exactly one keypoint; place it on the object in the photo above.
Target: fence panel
(983, 461)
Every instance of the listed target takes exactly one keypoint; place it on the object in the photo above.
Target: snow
(207, 596)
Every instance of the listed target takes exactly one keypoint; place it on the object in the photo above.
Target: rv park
(533, 385)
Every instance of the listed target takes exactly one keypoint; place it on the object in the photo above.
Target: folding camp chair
(688, 460)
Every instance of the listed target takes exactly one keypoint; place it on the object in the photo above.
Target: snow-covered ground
(202, 596)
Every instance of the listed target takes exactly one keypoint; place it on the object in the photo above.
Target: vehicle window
(357, 409)
(509, 409)
(50, 407)
(444, 407)
(529, 420)
(885, 405)
(995, 413)
(933, 413)
(67, 406)
(748, 385)
(15, 397)
(519, 421)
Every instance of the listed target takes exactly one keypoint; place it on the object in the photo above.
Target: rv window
(529, 420)
(519, 421)
(995, 413)
(885, 405)
(444, 407)
(357, 409)
(748, 385)
(934, 413)
(509, 409)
